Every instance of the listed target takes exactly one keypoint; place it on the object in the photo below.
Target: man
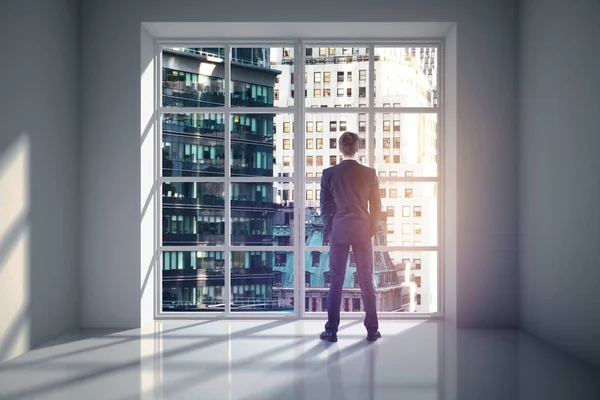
(346, 189)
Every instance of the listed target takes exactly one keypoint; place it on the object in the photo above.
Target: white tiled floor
(263, 360)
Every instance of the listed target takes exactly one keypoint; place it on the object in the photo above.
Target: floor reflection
(252, 360)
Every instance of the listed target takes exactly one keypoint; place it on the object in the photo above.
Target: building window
(276, 94)
(382, 193)
(326, 92)
(319, 126)
(332, 143)
(418, 299)
(317, 77)
(309, 126)
(286, 144)
(332, 51)
(390, 211)
(349, 92)
(286, 127)
(309, 174)
(396, 159)
(309, 195)
(317, 93)
(393, 193)
(386, 125)
(418, 281)
(386, 143)
(309, 144)
(417, 229)
(340, 92)
(319, 143)
(318, 192)
(362, 91)
(340, 76)
(327, 76)
(362, 75)
(408, 174)
(406, 229)
(362, 143)
(406, 211)
(417, 262)
(315, 258)
(309, 52)
(396, 142)
(349, 76)
(417, 211)
(286, 51)
(342, 126)
(332, 160)
(319, 161)
(287, 161)
(362, 126)
(408, 193)
(309, 161)
(382, 174)
(396, 125)
(322, 51)
(394, 173)
(332, 126)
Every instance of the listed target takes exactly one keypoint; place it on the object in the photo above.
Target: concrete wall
(559, 213)
(113, 270)
(39, 180)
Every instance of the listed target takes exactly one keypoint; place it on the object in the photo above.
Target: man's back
(350, 202)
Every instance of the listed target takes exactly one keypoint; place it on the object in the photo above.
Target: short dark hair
(348, 143)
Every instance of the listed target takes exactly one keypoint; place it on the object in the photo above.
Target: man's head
(348, 144)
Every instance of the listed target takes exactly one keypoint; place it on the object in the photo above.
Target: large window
(234, 238)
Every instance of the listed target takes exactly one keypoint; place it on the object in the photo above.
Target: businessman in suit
(350, 209)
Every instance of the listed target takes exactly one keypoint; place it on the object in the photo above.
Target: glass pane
(391, 291)
(418, 269)
(406, 145)
(262, 145)
(409, 215)
(336, 76)
(262, 77)
(193, 280)
(262, 281)
(262, 214)
(193, 213)
(406, 76)
(193, 144)
(193, 77)
(323, 131)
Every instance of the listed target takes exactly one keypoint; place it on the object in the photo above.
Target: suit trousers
(363, 252)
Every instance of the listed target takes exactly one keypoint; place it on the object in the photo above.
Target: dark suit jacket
(350, 202)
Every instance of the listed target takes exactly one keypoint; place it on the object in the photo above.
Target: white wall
(39, 180)
(486, 125)
(559, 214)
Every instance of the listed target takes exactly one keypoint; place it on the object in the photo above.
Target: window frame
(299, 179)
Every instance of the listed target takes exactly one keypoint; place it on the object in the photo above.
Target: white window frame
(299, 180)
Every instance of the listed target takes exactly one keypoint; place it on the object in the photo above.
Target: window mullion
(227, 216)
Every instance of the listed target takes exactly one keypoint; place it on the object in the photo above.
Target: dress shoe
(373, 336)
(330, 337)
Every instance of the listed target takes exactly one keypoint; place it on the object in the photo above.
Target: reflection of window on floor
(355, 304)
(418, 299)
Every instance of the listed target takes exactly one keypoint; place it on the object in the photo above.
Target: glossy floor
(252, 360)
